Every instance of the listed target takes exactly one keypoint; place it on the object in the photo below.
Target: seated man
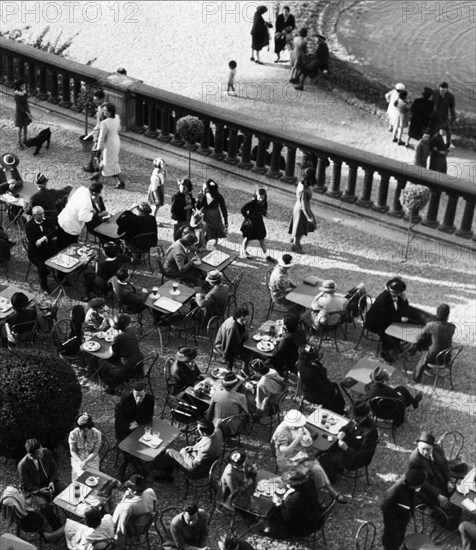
(184, 371)
(133, 410)
(280, 285)
(270, 386)
(378, 388)
(126, 355)
(238, 474)
(178, 263)
(214, 302)
(126, 293)
(39, 481)
(106, 268)
(297, 512)
(131, 226)
(467, 531)
(316, 386)
(232, 542)
(96, 318)
(41, 234)
(285, 354)
(437, 489)
(188, 530)
(390, 306)
(398, 506)
(325, 303)
(231, 335)
(98, 206)
(356, 443)
(20, 323)
(227, 402)
(47, 198)
(435, 337)
(196, 460)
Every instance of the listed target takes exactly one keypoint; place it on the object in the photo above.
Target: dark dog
(44, 135)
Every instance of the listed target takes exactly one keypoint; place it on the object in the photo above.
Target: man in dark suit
(46, 198)
(177, 264)
(133, 410)
(131, 225)
(126, 293)
(356, 443)
(39, 482)
(214, 302)
(41, 234)
(391, 306)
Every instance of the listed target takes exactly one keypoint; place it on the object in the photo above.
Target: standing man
(99, 98)
(398, 506)
(41, 234)
(133, 410)
(47, 198)
(444, 102)
(322, 54)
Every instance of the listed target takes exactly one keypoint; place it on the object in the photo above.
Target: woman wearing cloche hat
(84, 444)
(237, 476)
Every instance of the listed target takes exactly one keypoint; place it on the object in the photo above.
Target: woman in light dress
(109, 144)
(303, 220)
(390, 98)
(402, 117)
(298, 56)
(84, 444)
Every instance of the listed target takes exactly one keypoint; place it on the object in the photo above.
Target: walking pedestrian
(23, 116)
(253, 227)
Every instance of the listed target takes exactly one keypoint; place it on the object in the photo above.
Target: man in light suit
(214, 302)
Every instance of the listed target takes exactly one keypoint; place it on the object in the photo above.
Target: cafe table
(304, 294)
(215, 259)
(5, 300)
(261, 337)
(104, 342)
(408, 332)
(24, 194)
(169, 301)
(324, 425)
(257, 499)
(133, 446)
(109, 228)
(72, 258)
(90, 492)
(465, 494)
(361, 372)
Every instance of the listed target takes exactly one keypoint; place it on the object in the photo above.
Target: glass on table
(156, 435)
(147, 430)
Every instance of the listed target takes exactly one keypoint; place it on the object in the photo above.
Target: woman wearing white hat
(84, 444)
(392, 112)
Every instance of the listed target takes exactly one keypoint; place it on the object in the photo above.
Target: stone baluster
(10, 76)
(448, 225)
(32, 79)
(42, 84)
(260, 163)
(397, 210)
(349, 193)
(321, 174)
(65, 92)
(365, 198)
(289, 173)
(334, 190)
(467, 221)
(232, 153)
(205, 148)
(219, 141)
(431, 219)
(152, 121)
(165, 125)
(245, 162)
(139, 115)
(274, 170)
(54, 95)
(76, 93)
(382, 196)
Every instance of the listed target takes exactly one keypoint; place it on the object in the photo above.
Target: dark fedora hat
(426, 437)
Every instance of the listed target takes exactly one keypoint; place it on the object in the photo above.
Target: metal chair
(162, 523)
(22, 333)
(365, 303)
(233, 427)
(443, 364)
(212, 328)
(328, 324)
(160, 263)
(352, 309)
(232, 297)
(137, 530)
(272, 305)
(251, 308)
(183, 413)
(216, 472)
(140, 248)
(147, 366)
(430, 520)
(185, 324)
(452, 443)
(388, 413)
(169, 384)
(275, 411)
(124, 308)
(365, 537)
(33, 523)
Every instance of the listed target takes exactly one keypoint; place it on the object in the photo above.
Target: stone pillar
(321, 174)
(10, 80)
(274, 170)
(245, 162)
(54, 95)
(76, 92)
(165, 125)
(448, 225)
(232, 157)
(205, 148)
(365, 198)
(382, 205)
(397, 210)
(65, 92)
(349, 193)
(260, 163)
(177, 139)
(139, 115)
(32, 79)
(42, 85)
(431, 219)
(467, 221)
(334, 190)
(219, 141)
(289, 174)
(152, 122)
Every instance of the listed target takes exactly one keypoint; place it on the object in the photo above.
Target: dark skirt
(253, 229)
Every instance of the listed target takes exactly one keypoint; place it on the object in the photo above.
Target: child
(156, 187)
(95, 317)
(230, 89)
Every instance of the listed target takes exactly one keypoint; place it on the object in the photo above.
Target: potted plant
(86, 104)
(190, 129)
(413, 198)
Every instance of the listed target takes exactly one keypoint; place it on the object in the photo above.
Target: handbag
(246, 227)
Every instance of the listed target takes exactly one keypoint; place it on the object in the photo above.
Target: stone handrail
(342, 172)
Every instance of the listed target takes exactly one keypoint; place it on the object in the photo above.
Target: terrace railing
(343, 173)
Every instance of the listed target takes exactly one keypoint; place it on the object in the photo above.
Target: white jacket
(77, 212)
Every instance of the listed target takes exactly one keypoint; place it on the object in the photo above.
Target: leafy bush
(190, 128)
(414, 197)
(40, 397)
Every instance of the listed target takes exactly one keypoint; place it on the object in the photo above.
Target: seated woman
(297, 512)
(270, 386)
(237, 476)
(96, 319)
(126, 355)
(285, 354)
(71, 346)
(19, 324)
(84, 444)
(137, 500)
(92, 535)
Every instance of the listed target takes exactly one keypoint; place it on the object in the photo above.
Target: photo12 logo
(63, 12)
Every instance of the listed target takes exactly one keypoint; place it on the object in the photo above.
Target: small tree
(413, 198)
(190, 129)
(85, 102)
(40, 397)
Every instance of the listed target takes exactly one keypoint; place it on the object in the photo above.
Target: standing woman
(22, 110)
(109, 144)
(259, 33)
(439, 147)
(253, 227)
(181, 207)
(298, 56)
(215, 214)
(390, 97)
(303, 220)
(401, 117)
(84, 444)
(421, 110)
(285, 24)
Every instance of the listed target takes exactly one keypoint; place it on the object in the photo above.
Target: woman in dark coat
(259, 33)
(285, 24)
(439, 147)
(215, 214)
(181, 207)
(421, 110)
(253, 228)
(22, 110)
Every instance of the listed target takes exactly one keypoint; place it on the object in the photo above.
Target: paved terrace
(346, 248)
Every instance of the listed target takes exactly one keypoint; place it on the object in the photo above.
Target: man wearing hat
(196, 459)
(356, 443)
(444, 107)
(184, 371)
(178, 260)
(214, 302)
(390, 306)
(421, 110)
(378, 388)
(9, 174)
(280, 285)
(199, 228)
(96, 320)
(230, 337)
(227, 402)
(435, 337)
(398, 506)
(326, 307)
(322, 54)
(47, 198)
(41, 234)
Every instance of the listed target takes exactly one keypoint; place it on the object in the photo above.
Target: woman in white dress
(390, 98)
(109, 144)
(84, 444)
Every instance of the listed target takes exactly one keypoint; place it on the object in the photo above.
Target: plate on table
(266, 337)
(83, 250)
(5, 305)
(256, 337)
(91, 346)
(92, 501)
(218, 372)
(280, 490)
(101, 335)
(262, 486)
(109, 338)
(265, 346)
(92, 481)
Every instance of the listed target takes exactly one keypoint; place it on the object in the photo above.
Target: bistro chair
(212, 328)
(233, 293)
(33, 523)
(160, 263)
(140, 249)
(425, 519)
(233, 427)
(135, 315)
(365, 537)
(251, 308)
(24, 243)
(275, 412)
(326, 330)
(352, 309)
(443, 365)
(185, 324)
(388, 413)
(452, 444)
(162, 523)
(60, 334)
(365, 303)
(216, 472)
(169, 384)
(137, 530)
(272, 306)
(146, 367)
(184, 414)
(22, 334)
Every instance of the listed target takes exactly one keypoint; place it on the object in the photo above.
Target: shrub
(40, 397)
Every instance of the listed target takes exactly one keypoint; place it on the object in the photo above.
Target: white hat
(295, 418)
(286, 261)
(400, 86)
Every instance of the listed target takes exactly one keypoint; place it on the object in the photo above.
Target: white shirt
(77, 212)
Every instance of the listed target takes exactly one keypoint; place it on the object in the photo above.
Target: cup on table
(77, 490)
(175, 287)
(324, 417)
(156, 435)
(147, 430)
(155, 290)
